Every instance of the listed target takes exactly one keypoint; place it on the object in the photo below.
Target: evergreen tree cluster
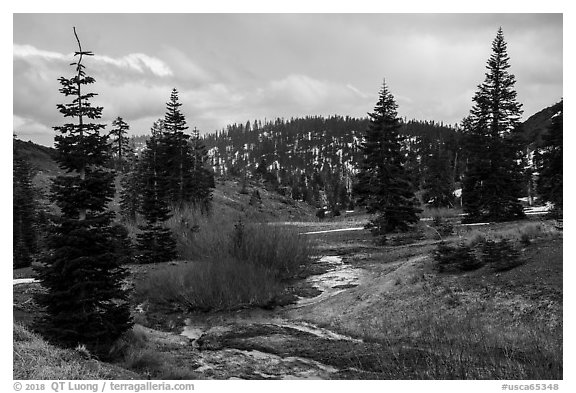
(549, 164)
(24, 211)
(171, 172)
(86, 302)
(155, 242)
(201, 174)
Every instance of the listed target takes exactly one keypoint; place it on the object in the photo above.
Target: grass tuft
(209, 285)
(236, 265)
(138, 352)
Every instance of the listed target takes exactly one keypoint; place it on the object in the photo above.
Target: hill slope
(41, 158)
(229, 197)
(537, 125)
(314, 159)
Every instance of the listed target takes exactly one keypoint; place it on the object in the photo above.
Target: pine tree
(549, 183)
(261, 170)
(84, 300)
(175, 154)
(202, 178)
(383, 183)
(155, 242)
(492, 180)
(130, 194)
(120, 144)
(24, 229)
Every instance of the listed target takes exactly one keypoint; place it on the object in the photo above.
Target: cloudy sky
(236, 67)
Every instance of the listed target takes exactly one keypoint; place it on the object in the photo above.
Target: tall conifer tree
(130, 194)
(85, 302)
(384, 186)
(202, 178)
(175, 153)
(120, 144)
(492, 180)
(437, 180)
(155, 242)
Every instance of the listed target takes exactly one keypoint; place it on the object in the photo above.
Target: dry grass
(473, 325)
(443, 212)
(439, 331)
(36, 359)
(209, 285)
(519, 232)
(462, 345)
(238, 266)
(138, 352)
(527, 232)
(278, 250)
(199, 235)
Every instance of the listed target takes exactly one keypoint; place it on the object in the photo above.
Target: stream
(335, 280)
(258, 344)
(18, 281)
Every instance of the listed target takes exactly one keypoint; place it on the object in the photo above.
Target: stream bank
(266, 344)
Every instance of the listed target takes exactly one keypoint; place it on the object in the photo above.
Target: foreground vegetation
(34, 358)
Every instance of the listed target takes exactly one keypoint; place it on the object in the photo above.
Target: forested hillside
(41, 158)
(315, 158)
(537, 125)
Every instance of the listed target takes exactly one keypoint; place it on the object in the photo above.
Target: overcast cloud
(237, 67)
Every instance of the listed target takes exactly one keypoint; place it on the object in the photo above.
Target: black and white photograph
(287, 196)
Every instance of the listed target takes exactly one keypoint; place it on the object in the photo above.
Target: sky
(231, 68)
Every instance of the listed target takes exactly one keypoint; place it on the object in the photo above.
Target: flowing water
(271, 329)
(337, 279)
(233, 363)
(18, 281)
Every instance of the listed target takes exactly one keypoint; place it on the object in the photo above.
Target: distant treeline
(315, 158)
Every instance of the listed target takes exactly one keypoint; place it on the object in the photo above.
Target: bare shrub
(242, 266)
